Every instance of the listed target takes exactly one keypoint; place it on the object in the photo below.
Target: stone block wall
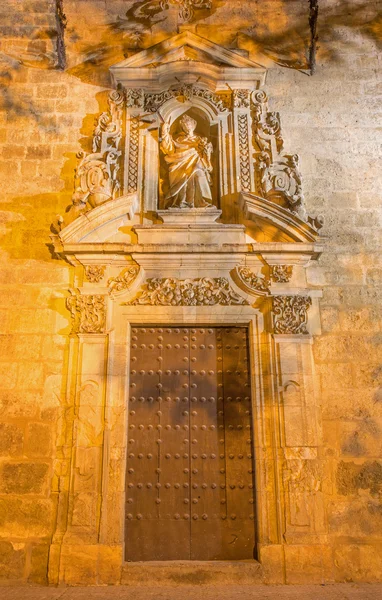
(332, 120)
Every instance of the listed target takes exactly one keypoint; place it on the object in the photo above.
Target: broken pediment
(192, 58)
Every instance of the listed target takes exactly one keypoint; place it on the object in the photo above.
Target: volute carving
(290, 314)
(88, 313)
(253, 282)
(279, 177)
(124, 280)
(188, 292)
(97, 175)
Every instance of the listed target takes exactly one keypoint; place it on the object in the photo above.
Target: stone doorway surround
(243, 263)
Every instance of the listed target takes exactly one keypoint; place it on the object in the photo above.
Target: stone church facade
(191, 378)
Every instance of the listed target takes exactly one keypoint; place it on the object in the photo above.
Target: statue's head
(188, 124)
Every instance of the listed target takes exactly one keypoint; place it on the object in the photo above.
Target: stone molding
(188, 292)
(290, 314)
(88, 313)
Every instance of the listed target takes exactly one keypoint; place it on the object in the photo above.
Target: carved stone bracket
(252, 282)
(188, 292)
(124, 280)
(281, 273)
(290, 314)
(88, 313)
(94, 273)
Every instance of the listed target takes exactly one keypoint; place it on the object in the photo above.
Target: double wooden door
(189, 479)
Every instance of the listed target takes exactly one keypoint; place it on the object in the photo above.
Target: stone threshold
(246, 572)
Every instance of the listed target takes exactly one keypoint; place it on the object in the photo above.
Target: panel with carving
(290, 314)
(124, 280)
(281, 273)
(187, 91)
(188, 292)
(88, 313)
(252, 281)
(94, 273)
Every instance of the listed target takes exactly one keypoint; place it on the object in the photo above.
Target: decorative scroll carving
(133, 155)
(97, 175)
(241, 98)
(252, 281)
(135, 98)
(188, 292)
(124, 280)
(281, 273)
(245, 169)
(279, 175)
(188, 91)
(94, 273)
(186, 7)
(88, 312)
(290, 314)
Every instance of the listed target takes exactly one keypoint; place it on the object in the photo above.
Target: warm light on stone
(220, 189)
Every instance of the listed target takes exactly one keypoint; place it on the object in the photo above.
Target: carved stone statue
(189, 164)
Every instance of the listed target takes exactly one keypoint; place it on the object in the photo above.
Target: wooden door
(189, 482)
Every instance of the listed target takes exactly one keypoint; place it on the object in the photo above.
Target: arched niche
(205, 128)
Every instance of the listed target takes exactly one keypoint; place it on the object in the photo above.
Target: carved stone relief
(94, 273)
(245, 168)
(291, 314)
(153, 102)
(124, 280)
(188, 292)
(186, 7)
(281, 273)
(133, 155)
(88, 312)
(252, 281)
(279, 177)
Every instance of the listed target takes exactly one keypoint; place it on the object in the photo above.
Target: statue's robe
(188, 172)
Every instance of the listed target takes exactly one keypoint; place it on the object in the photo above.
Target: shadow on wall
(25, 221)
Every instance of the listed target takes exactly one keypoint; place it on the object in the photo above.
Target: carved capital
(124, 280)
(135, 98)
(281, 273)
(188, 292)
(88, 313)
(253, 282)
(241, 98)
(290, 314)
(94, 273)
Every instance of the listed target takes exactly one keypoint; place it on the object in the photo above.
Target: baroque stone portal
(221, 246)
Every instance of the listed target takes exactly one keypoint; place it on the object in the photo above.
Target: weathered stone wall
(331, 120)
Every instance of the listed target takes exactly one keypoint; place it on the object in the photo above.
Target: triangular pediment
(186, 46)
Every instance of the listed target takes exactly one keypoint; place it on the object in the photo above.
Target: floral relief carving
(94, 273)
(153, 102)
(88, 313)
(135, 98)
(124, 280)
(188, 292)
(290, 314)
(252, 281)
(241, 98)
(281, 273)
